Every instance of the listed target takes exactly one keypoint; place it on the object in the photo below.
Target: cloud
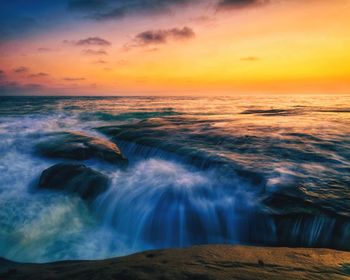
(11, 87)
(180, 34)
(2, 74)
(203, 19)
(94, 52)
(119, 9)
(21, 69)
(102, 10)
(152, 37)
(25, 70)
(72, 79)
(38, 75)
(93, 41)
(238, 4)
(112, 14)
(90, 41)
(101, 61)
(250, 58)
(161, 36)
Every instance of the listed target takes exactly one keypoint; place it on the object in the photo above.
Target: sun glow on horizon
(286, 47)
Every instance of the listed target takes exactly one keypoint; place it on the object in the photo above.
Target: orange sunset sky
(145, 47)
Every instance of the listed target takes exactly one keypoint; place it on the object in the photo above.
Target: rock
(74, 178)
(219, 262)
(79, 146)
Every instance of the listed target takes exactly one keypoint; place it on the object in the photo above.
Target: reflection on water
(271, 170)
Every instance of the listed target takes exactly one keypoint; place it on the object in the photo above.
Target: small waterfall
(313, 231)
(162, 204)
(168, 200)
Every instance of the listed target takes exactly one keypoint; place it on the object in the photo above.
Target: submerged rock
(74, 178)
(299, 220)
(167, 139)
(79, 146)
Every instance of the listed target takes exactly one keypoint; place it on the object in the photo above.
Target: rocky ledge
(74, 178)
(80, 146)
(207, 262)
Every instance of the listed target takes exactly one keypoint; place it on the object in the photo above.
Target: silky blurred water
(261, 170)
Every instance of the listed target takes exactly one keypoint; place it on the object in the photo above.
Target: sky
(174, 47)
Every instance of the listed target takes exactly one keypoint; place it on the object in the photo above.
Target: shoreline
(205, 262)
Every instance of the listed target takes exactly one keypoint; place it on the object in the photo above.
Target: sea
(259, 170)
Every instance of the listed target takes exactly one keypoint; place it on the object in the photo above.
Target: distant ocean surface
(258, 170)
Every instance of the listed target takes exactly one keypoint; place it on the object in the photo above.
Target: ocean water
(259, 170)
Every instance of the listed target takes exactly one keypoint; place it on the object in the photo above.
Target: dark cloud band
(162, 36)
(21, 69)
(72, 79)
(237, 4)
(115, 10)
(93, 41)
(94, 52)
(39, 75)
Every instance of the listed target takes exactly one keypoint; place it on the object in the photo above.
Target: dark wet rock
(79, 146)
(74, 178)
(293, 200)
(283, 203)
(177, 139)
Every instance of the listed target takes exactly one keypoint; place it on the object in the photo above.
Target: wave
(138, 115)
(272, 112)
(297, 110)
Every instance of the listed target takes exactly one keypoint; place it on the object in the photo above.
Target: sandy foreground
(197, 263)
